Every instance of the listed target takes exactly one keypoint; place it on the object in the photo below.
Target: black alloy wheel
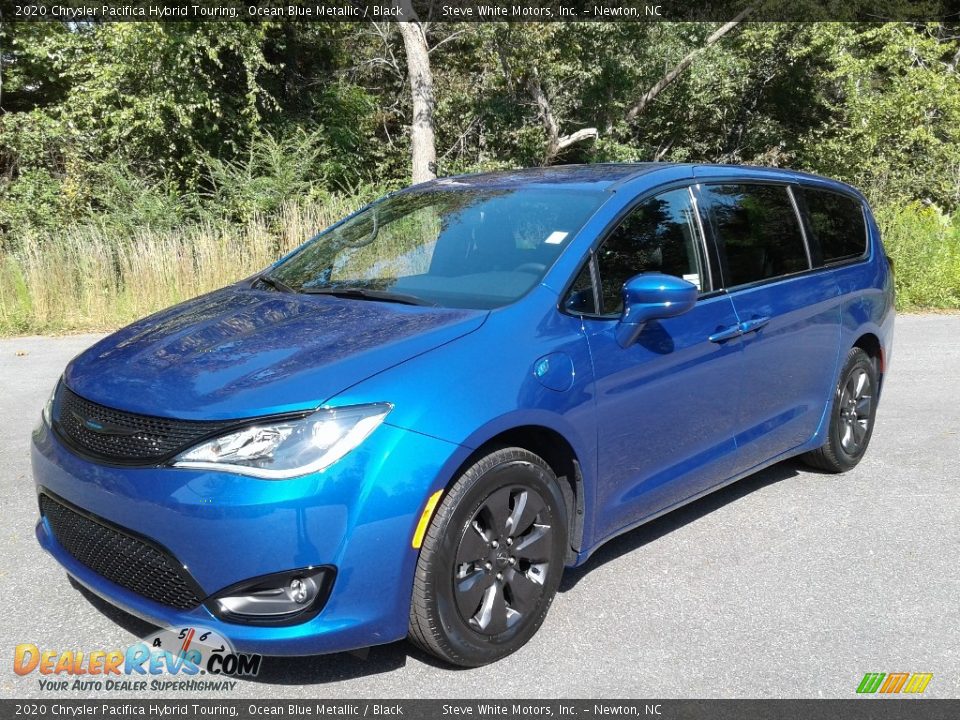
(851, 416)
(491, 560)
(503, 560)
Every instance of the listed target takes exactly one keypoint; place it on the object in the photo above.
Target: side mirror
(651, 296)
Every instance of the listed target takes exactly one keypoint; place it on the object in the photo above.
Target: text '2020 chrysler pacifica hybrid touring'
(412, 423)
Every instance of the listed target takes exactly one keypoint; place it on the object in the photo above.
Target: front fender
(491, 381)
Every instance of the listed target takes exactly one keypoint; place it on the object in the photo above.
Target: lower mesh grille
(119, 557)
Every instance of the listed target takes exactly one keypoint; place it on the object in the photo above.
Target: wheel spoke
(526, 507)
(861, 383)
(859, 431)
(470, 591)
(497, 507)
(849, 389)
(847, 439)
(473, 546)
(525, 587)
(534, 545)
(863, 406)
(492, 617)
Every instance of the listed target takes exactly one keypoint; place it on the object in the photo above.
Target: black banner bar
(94, 11)
(872, 708)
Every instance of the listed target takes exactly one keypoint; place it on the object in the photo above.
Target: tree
(671, 75)
(423, 149)
(535, 59)
(892, 93)
(227, 120)
(555, 143)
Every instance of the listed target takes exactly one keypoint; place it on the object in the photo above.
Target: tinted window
(659, 235)
(758, 229)
(580, 298)
(475, 248)
(837, 224)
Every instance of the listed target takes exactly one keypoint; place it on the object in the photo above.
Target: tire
(852, 416)
(491, 561)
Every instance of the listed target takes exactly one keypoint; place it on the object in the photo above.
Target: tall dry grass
(89, 279)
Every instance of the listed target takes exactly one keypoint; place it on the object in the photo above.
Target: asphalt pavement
(790, 583)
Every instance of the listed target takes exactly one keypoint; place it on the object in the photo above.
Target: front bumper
(359, 516)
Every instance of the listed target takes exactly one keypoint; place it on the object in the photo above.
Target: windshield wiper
(275, 284)
(359, 293)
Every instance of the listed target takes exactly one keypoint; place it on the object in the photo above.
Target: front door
(666, 405)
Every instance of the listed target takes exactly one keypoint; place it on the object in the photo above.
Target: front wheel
(491, 560)
(851, 416)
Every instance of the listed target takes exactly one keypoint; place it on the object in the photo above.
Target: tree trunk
(550, 127)
(1, 64)
(423, 150)
(675, 72)
(554, 144)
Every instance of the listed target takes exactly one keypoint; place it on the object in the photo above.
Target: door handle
(726, 334)
(750, 326)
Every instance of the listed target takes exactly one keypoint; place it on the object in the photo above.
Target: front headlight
(47, 412)
(287, 448)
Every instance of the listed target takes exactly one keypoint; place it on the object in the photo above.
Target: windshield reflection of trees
(380, 235)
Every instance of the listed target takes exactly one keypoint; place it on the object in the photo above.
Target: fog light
(300, 590)
(293, 596)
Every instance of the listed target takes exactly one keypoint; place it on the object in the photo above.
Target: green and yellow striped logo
(888, 684)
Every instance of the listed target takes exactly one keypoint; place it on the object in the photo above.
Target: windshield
(452, 248)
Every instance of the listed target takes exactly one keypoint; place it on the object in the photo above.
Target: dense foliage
(128, 128)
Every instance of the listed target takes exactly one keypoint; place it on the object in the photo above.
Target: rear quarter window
(836, 223)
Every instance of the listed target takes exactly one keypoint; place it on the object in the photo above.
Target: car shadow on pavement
(322, 669)
(309, 670)
(655, 529)
(131, 623)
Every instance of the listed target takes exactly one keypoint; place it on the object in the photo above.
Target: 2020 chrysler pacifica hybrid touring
(412, 423)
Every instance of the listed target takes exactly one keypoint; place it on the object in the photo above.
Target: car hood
(240, 353)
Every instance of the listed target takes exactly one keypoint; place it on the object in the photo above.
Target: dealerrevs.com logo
(189, 658)
(894, 683)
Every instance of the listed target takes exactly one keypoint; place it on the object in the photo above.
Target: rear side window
(758, 230)
(837, 224)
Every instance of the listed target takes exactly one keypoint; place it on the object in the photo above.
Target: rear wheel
(491, 560)
(851, 417)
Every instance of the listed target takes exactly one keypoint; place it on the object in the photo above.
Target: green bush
(924, 244)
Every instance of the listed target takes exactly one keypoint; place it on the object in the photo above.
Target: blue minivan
(411, 424)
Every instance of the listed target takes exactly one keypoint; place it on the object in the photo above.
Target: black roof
(597, 175)
(604, 176)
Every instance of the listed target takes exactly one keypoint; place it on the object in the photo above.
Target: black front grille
(124, 437)
(120, 557)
